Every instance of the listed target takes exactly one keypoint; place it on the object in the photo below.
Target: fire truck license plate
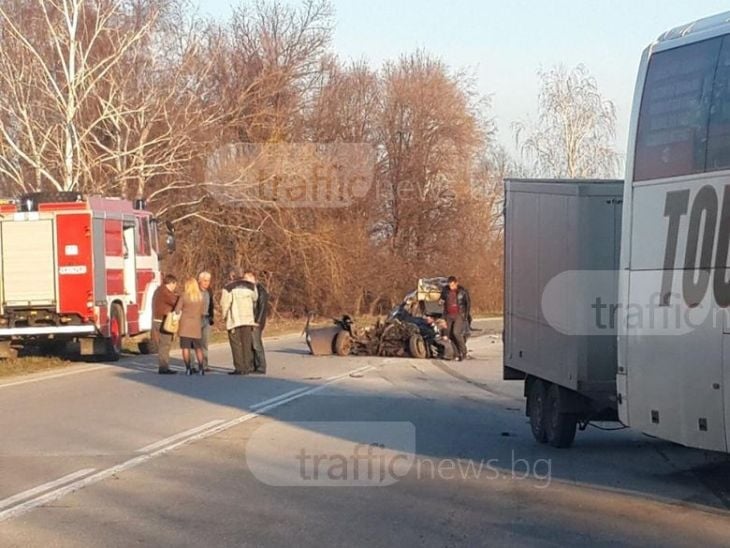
(72, 270)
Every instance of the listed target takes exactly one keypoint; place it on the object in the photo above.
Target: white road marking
(10, 501)
(151, 447)
(55, 376)
(257, 406)
(261, 407)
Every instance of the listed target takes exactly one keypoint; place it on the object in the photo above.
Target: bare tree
(216, 122)
(55, 63)
(430, 137)
(170, 122)
(576, 127)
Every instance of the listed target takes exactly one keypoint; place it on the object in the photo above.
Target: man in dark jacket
(204, 284)
(457, 312)
(261, 309)
(163, 302)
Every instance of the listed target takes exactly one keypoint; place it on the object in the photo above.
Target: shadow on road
(466, 422)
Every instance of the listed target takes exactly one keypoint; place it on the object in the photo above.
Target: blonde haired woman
(191, 308)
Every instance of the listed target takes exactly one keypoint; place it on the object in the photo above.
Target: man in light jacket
(237, 306)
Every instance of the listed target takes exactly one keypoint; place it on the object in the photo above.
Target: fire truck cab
(76, 268)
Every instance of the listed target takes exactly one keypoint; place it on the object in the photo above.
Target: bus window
(718, 138)
(671, 138)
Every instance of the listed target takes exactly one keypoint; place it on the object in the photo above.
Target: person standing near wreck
(457, 311)
(237, 306)
(261, 309)
(164, 300)
(204, 284)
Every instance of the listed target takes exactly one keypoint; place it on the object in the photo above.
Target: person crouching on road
(204, 284)
(163, 302)
(457, 311)
(191, 311)
(237, 305)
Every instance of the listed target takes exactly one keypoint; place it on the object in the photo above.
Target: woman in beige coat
(190, 306)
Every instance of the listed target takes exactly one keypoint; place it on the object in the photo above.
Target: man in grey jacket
(237, 306)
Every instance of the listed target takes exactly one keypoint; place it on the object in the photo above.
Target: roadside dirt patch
(12, 367)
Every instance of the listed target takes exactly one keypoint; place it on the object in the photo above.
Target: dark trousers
(204, 337)
(241, 340)
(259, 356)
(445, 349)
(456, 333)
(164, 344)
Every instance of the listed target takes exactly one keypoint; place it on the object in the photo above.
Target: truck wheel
(559, 427)
(116, 330)
(343, 343)
(417, 346)
(536, 408)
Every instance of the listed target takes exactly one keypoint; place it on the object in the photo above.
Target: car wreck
(413, 328)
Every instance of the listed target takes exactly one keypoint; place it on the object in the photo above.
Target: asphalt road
(331, 451)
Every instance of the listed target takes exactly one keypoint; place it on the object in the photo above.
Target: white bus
(662, 364)
(674, 288)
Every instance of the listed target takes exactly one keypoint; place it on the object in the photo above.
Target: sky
(504, 43)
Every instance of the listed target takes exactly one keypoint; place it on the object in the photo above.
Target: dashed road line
(11, 501)
(199, 434)
(166, 441)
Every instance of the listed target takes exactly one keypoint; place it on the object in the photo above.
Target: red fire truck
(75, 268)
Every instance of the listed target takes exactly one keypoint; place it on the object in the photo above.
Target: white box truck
(670, 377)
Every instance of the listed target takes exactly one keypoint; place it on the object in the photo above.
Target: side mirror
(170, 238)
(170, 242)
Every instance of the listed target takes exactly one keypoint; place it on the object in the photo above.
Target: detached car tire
(417, 347)
(342, 343)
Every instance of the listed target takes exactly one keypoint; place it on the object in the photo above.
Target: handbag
(171, 323)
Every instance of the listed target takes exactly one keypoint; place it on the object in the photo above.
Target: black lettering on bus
(697, 276)
(721, 286)
(674, 207)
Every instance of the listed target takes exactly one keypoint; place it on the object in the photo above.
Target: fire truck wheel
(114, 342)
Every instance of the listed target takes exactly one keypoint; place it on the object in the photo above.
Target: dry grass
(30, 364)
